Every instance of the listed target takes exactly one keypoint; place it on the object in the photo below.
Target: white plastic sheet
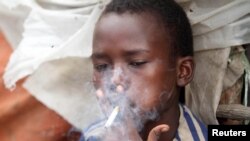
(217, 26)
(57, 35)
(11, 22)
(65, 85)
(220, 24)
(50, 35)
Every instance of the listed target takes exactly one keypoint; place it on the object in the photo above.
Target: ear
(185, 70)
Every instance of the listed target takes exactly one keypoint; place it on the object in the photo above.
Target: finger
(101, 97)
(108, 102)
(156, 132)
(105, 105)
(99, 94)
(119, 89)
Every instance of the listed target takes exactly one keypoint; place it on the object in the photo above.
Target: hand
(156, 132)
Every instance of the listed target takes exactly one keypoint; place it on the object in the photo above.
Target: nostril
(116, 88)
(132, 104)
(112, 88)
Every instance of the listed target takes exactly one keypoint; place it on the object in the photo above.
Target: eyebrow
(100, 55)
(136, 52)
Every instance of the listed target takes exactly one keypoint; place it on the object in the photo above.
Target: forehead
(142, 22)
(130, 30)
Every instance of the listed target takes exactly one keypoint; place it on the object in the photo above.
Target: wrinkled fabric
(45, 38)
(65, 85)
(203, 93)
(217, 27)
(22, 117)
(11, 23)
(235, 67)
(64, 30)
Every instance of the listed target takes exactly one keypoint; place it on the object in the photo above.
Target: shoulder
(190, 127)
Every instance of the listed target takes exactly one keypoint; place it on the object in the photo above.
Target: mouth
(122, 107)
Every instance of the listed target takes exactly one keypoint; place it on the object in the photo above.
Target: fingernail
(119, 89)
(164, 129)
(99, 93)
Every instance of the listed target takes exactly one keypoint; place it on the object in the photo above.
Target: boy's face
(132, 50)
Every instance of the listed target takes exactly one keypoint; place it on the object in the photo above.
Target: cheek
(145, 96)
(98, 79)
(145, 90)
(149, 86)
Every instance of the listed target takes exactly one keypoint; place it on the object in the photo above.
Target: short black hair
(169, 12)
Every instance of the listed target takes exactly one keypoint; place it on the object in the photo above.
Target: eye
(137, 63)
(100, 67)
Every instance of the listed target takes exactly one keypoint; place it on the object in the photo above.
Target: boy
(143, 48)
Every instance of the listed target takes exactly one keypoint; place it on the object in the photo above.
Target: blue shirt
(190, 127)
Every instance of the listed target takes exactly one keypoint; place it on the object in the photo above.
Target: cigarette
(112, 117)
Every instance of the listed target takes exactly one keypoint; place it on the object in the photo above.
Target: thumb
(156, 132)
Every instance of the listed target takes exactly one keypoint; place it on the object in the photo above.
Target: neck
(169, 117)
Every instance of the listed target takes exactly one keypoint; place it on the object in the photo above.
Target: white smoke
(128, 119)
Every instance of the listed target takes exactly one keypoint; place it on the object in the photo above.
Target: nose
(117, 76)
(120, 79)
